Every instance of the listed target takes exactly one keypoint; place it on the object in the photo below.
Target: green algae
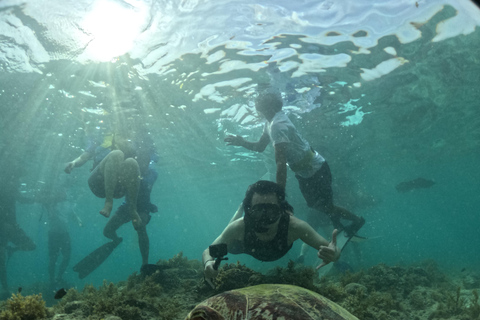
(20, 307)
(418, 291)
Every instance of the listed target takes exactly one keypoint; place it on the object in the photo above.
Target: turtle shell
(268, 302)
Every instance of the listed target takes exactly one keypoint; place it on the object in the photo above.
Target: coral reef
(419, 292)
(393, 292)
(233, 276)
(19, 307)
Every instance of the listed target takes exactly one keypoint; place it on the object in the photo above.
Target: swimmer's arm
(327, 251)
(281, 162)
(258, 146)
(238, 214)
(78, 162)
(231, 232)
(299, 229)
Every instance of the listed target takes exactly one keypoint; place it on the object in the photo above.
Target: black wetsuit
(265, 250)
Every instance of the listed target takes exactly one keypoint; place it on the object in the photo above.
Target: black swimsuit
(264, 250)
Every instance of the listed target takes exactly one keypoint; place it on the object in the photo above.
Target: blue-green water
(188, 72)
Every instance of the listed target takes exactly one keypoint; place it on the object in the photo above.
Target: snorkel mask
(264, 214)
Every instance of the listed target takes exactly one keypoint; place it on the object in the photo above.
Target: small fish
(19, 289)
(463, 270)
(60, 294)
(418, 183)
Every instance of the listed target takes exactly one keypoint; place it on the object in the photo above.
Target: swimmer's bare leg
(131, 180)
(111, 170)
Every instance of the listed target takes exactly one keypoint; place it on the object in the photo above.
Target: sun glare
(112, 29)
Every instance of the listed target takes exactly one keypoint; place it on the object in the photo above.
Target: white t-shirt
(298, 151)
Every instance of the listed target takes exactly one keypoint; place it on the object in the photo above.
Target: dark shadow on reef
(176, 286)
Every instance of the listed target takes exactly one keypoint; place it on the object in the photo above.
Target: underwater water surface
(386, 91)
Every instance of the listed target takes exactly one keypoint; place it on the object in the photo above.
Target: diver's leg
(3, 267)
(116, 221)
(53, 252)
(21, 241)
(111, 168)
(131, 182)
(143, 243)
(66, 254)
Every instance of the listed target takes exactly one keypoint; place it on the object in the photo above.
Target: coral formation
(379, 292)
(19, 307)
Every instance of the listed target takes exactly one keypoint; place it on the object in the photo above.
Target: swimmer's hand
(234, 140)
(210, 273)
(69, 167)
(330, 253)
(136, 221)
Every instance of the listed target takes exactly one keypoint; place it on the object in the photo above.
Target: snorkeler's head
(263, 204)
(269, 102)
(263, 187)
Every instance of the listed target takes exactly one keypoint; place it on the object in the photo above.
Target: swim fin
(91, 262)
(357, 238)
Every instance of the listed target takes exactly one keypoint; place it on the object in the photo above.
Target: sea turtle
(269, 301)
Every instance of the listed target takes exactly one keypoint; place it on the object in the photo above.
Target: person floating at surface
(115, 172)
(310, 168)
(59, 241)
(144, 208)
(146, 157)
(268, 230)
(10, 231)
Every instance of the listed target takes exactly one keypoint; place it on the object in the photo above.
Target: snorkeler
(115, 172)
(59, 241)
(10, 231)
(146, 157)
(310, 168)
(267, 231)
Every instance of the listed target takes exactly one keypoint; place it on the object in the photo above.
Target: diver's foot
(107, 209)
(353, 228)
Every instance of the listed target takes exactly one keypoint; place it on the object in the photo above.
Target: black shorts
(317, 190)
(96, 182)
(122, 215)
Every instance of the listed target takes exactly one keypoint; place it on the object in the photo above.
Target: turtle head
(204, 313)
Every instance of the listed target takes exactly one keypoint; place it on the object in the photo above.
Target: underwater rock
(419, 299)
(471, 281)
(75, 306)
